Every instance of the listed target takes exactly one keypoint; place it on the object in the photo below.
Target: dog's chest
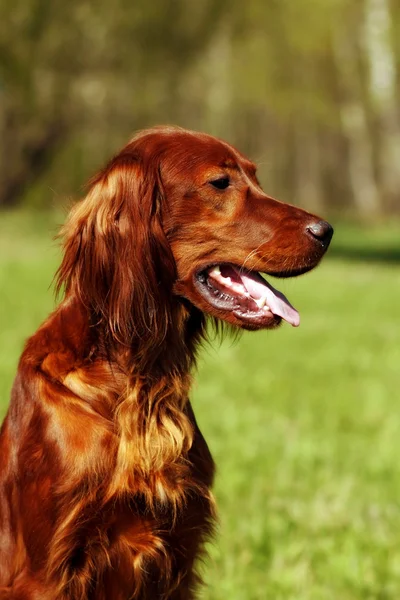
(147, 542)
(149, 555)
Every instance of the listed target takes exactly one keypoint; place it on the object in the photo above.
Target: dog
(105, 477)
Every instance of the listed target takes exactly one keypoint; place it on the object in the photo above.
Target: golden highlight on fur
(105, 477)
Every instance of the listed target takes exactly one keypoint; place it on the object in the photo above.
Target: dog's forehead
(206, 151)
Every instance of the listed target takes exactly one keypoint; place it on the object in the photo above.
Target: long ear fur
(117, 259)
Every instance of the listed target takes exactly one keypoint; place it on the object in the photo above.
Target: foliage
(309, 87)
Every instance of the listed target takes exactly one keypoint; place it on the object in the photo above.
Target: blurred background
(309, 88)
(304, 424)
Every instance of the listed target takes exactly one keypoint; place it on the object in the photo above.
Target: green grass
(304, 424)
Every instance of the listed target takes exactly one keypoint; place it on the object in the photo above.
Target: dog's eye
(221, 183)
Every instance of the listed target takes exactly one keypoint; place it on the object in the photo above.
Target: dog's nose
(321, 231)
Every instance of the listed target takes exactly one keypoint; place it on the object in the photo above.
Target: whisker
(251, 254)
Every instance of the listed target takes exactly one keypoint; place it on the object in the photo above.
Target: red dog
(104, 475)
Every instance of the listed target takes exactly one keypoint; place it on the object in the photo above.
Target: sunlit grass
(304, 424)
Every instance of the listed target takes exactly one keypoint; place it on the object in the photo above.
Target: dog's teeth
(216, 270)
(260, 302)
(266, 308)
(227, 280)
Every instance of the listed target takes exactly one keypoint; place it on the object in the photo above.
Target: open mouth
(246, 294)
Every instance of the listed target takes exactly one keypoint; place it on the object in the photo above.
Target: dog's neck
(90, 338)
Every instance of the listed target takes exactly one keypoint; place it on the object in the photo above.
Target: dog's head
(224, 230)
(181, 215)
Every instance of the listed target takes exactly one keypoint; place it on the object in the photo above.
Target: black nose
(321, 231)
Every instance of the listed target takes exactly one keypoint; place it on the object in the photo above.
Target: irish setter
(105, 476)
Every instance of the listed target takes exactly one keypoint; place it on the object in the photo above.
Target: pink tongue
(277, 302)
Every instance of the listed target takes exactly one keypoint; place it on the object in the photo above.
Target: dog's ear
(117, 259)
